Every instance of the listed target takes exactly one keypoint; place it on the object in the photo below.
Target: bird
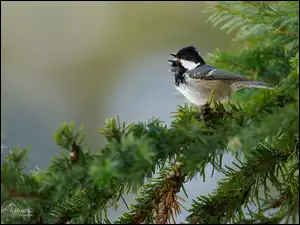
(196, 80)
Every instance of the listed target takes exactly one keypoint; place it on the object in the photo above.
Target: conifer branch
(158, 201)
(240, 187)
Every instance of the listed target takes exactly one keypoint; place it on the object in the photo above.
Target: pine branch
(240, 186)
(256, 21)
(62, 185)
(158, 201)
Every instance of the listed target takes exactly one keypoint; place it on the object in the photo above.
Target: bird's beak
(172, 61)
(173, 55)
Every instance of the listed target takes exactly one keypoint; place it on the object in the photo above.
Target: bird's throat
(179, 79)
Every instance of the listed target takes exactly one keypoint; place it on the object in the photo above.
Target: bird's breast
(197, 97)
(199, 92)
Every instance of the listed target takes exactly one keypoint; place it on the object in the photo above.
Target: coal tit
(197, 81)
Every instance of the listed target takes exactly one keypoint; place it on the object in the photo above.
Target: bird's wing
(207, 72)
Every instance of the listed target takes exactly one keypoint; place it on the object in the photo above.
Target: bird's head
(189, 57)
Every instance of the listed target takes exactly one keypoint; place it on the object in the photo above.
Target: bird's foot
(204, 111)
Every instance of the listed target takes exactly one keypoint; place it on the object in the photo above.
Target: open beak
(172, 61)
(173, 55)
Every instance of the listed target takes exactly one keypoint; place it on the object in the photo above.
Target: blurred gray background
(86, 61)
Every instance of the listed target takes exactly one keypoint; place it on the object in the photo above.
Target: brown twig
(168, 205)
(196, 219)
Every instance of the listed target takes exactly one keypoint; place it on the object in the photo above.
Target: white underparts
(191, 95)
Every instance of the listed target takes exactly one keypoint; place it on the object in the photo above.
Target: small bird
(197, 81)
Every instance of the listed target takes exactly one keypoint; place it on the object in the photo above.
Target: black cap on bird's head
(189, 57)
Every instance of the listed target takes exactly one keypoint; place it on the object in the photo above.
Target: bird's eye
(185, 58)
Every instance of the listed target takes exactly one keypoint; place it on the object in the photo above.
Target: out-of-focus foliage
(79, 186)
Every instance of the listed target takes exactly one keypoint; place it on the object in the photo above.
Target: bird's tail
(250, 84)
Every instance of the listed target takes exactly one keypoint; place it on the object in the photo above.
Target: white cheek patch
(189, 65)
